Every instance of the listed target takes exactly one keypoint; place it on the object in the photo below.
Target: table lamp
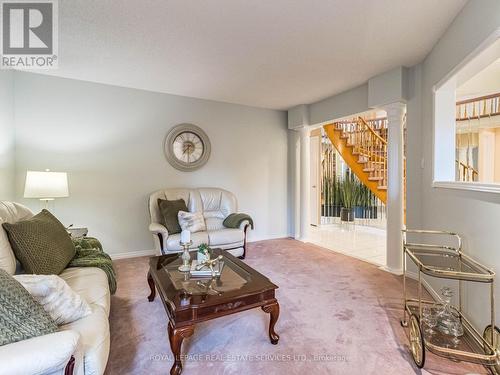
(46, 186)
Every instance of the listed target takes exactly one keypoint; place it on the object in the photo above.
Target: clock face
(187, 147)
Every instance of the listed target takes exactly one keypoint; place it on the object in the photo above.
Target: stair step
(375, 178)
(382, 187)
(368, 170)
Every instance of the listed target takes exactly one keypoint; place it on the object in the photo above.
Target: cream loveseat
(215, 204)
(86, 340)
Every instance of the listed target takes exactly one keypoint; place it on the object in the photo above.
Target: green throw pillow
(169, 211)
(21, 317)
(42, 244)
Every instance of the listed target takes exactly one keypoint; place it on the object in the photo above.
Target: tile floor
(358, 241)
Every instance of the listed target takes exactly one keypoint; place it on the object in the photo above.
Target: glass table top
(449, 263)
(446, 262)
(232, 277)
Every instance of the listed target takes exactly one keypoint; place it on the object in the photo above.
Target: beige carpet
(338, 316)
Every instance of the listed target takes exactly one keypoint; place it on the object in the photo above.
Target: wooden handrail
(479, 98)
(482, 107)
(372, 131)
(465, 169)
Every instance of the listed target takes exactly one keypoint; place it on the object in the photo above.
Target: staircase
(363, 146)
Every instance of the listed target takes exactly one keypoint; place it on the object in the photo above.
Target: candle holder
(186, 257)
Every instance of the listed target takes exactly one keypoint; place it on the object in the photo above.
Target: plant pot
(347, 214)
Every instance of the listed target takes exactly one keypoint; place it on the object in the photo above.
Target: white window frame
(443, 158)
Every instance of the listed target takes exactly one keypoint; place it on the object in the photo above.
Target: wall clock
(187, 147)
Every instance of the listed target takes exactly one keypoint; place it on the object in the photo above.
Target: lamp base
(46, 202)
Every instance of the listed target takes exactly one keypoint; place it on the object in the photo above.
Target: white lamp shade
(46, 185)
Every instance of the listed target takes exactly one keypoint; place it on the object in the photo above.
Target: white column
(395, 186)
(486, 157)
(304, 183)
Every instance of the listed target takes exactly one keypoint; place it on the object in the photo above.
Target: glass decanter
(448, 320)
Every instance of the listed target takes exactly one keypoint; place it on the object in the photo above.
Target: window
(467, 124)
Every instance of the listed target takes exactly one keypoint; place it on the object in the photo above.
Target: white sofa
(83, 344)
(215, 204)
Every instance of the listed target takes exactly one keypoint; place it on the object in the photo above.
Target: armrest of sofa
(39, 355)
(160, 234)
(244, 223)
(157, 228)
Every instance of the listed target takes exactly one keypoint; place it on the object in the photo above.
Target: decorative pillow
(7, 258)
(42, 244)
(56, 297)
(192, 221)
(21, 317)
(169, 211)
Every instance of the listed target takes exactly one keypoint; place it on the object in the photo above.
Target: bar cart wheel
(404, 323)
(495, 370)
(416, 342)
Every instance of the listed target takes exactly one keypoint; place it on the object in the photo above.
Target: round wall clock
(187, 147)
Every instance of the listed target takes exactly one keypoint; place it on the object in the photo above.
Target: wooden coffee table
(189, 300)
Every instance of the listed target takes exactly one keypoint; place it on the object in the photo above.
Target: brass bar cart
(437, 258)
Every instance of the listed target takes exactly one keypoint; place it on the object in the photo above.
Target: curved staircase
(363, 146)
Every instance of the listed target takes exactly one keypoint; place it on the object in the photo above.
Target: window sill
(472, 186)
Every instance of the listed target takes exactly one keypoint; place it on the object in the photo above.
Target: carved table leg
(274, 310)
(151, 283)
(176, 336)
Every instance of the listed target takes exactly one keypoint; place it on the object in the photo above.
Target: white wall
(7, 135)
(109, 139)
(475, 215)
(344, 104)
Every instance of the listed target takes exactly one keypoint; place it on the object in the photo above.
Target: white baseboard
(397, 272)
(143, 253)
(133, 254)
(264, 238)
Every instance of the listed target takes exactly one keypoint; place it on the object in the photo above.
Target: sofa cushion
(89, 282)
(62, 303)
(41, 243)
(172, 243)
(21, 317)
(225, 236)
(10, 212)
(169, 213)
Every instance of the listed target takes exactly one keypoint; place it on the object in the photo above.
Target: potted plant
(337, 198)
(360, 205)
(331, 197)
(349, 198)
(203, 253)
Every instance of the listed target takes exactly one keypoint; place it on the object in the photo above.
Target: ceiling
(486, 82)
(273, 54)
